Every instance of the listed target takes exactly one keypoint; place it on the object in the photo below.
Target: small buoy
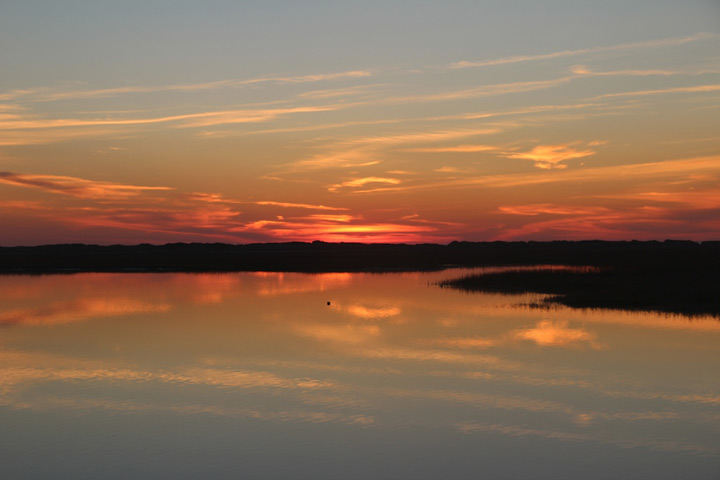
(328, 303)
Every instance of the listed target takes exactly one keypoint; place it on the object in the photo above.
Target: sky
(396, 121)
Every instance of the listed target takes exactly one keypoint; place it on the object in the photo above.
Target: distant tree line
(647, 256)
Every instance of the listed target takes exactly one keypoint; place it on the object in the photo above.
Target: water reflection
(395, 374)
(548, 333)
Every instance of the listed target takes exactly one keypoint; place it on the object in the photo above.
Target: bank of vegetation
(669, 276)
(670, 289)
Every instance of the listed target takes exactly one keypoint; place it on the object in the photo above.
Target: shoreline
(674, 277)
(669, 255)
(692, 293)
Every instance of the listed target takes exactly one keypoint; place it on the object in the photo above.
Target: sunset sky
(377, 121)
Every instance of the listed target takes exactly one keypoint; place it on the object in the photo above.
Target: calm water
(254, 376)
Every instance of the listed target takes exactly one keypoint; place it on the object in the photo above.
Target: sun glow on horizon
(473, 132)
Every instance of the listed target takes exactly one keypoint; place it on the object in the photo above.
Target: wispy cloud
(332, 218)
(298, 205)
(484, 91)
(676, 169)
(369, 150)
(668, 42)
(424, 136)
(550, 209)
(670, 168)
(45, 136)
(341, 158)
(201, 119)
(305, 128)
(338, 228)
(586, 71)
(455, 149)
(209, 198)
(311, 78)
(661, 91)
(464, 116)
(696, 199)
(76, 187)
(612, 225)
(447, 169)
(218, 198)
(361, 182)
(24, 204)
(550, 156)
(172, 221)
(53, 94)
(636, 214)
(341, 92)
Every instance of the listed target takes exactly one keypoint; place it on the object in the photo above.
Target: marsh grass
(688, 292)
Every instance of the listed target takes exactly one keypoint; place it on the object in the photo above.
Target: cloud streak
(550, 156)
(298, 205)
(662, 91)
(202, 119)
(640, 171)
(455, 149)
(49, 94)
(76, 187)
(361, 182)
(668, 42)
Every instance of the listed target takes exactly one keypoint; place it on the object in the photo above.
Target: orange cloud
(456, 149)
(201, 119)
(468, 342)
(76, 187)
(550, 156)
(360, 182)
(639, 222)
(549, 209)
(335, 230)
(298, 205)
(447, 169)
(32, 205)
(209, 224)
(366, 151)
(45, 135)
(703, 199)
(583, 70)
(209, 198)
(423, 137)
(332, 218)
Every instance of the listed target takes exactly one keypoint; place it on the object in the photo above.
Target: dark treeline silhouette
(667, 256)
(687, 291)
(670, 276)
